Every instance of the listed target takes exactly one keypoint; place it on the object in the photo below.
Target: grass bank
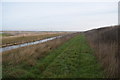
(73, 59)
(106, 41)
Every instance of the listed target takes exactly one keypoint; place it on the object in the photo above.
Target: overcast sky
(58, 16)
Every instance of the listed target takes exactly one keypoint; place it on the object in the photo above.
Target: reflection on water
(26, 44)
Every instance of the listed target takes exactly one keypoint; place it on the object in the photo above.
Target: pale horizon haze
(58, 16)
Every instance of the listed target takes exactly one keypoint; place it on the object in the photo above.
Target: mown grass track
(77, 61)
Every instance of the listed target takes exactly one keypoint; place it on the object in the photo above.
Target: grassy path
(74, 59)
(77, 61)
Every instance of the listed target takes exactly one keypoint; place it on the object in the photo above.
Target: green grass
(5, 34)
(74, 59)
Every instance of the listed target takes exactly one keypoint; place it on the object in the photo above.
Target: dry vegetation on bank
(106, 41)
(30, 54)
(27, 37)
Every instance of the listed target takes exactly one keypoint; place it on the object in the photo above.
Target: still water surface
(26, 44)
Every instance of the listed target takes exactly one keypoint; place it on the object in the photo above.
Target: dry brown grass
(32, 53)
(105, 42)
(14, 40)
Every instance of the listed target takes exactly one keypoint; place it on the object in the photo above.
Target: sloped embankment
(106, 43)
